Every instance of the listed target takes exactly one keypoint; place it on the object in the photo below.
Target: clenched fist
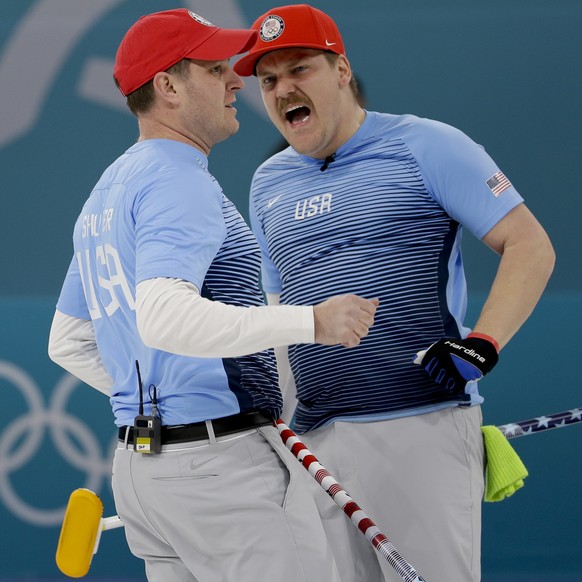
(344, 319)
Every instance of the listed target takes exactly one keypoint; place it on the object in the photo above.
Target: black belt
(197, 431)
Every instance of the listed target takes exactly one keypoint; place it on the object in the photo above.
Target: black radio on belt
(147, 434)
(147, 430)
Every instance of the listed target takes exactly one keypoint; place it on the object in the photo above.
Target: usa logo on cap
(272, 28)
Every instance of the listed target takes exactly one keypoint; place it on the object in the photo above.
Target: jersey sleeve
(72, 298)
(179, 226)
(462, 177)
(271, 277)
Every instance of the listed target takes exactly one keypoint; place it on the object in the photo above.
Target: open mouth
(297, 114)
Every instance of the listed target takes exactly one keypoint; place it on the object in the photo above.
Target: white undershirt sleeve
(72, 346)
(173, 316)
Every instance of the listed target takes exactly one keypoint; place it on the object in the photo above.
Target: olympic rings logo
(21, 440)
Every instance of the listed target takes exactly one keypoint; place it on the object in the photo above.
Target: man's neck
(150, 128)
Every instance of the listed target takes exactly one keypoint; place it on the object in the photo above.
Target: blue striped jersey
(383, 220)
(158, 212)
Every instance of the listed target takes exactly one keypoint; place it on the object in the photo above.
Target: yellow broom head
(81, 526)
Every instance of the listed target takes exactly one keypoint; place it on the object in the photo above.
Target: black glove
(453, 362)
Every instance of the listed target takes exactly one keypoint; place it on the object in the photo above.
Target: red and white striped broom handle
(366, 526)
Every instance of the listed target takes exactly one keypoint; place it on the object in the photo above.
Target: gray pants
(420, 479)
(235, 510)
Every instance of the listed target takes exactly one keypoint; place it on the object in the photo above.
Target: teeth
(293, 108)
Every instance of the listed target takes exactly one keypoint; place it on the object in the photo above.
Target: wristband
(486, 337)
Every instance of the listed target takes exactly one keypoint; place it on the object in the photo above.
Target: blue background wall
(506, 72)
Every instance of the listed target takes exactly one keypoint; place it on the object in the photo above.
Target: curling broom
(81, 532)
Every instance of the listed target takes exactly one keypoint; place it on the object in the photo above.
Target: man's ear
(344, 70)
(164, 86)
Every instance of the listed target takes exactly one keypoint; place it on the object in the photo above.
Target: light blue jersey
(157, 212)
(383, 220)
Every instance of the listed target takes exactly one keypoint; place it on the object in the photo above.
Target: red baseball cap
(296, 25)
(158, 41)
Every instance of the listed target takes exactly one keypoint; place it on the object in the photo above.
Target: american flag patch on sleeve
(498, 183)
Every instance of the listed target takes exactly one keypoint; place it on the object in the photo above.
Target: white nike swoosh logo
(329, 43)
(273, 200)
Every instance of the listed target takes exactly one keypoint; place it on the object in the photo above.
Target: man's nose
(285, 87)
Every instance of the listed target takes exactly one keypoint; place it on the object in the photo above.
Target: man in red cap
(374, 204)
(161, 310)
